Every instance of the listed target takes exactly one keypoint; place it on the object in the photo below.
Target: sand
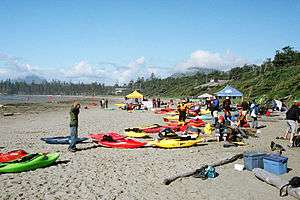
(103, 173)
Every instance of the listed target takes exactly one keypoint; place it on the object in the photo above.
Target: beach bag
(294, 183)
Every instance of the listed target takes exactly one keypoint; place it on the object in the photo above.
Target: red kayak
(123, 144)
(99, 136)
(115, 140)
(196, 122)
(12, 155)
(157, 129)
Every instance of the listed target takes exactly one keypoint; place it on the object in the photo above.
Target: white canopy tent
(205, 96)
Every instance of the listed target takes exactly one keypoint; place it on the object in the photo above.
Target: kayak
(123, 144)
(12, 155)
(61, 140)
(158, 128)
(203, 117)
(120, 104)
(134, 134)
(115, 140)
(99, 136)
(208, 129)
(171, 118)
(175, 143)
(30, 162)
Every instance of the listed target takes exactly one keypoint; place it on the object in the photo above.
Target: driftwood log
(276, 181)
(169, 180)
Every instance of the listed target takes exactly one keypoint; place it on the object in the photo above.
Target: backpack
(294, 183)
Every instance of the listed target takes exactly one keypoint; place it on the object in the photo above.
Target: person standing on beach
(74, 112)
(154, 102)
(158, 102)
(214, 110)
(226, 107)
(106, 103)
(292, 117)
(254, 114)
(102, 103)
(182, 110)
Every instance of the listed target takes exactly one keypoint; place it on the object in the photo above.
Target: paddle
(169, 180)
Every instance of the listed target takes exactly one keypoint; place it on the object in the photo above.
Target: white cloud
(206, 59)
(13, 67)
(110, 73)
(81, 69)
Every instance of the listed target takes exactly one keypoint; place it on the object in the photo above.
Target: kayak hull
(122, 144)
(175, 143)
(61, 140)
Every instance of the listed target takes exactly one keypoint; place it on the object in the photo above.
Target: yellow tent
(135, 95)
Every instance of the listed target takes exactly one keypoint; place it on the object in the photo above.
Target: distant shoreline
(21, 99)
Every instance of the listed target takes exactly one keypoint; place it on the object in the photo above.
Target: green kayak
(30, 162)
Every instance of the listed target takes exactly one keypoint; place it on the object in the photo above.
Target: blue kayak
(61, 140)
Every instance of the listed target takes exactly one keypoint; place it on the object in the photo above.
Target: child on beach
(74, 112)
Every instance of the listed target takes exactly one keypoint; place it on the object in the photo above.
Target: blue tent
(230, 92)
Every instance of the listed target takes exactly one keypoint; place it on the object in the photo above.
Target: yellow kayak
(240, 143)
(175, 143)
(204, 112)
(172, 118)
(208, 129)
(136, 134)
(120, 104)
(172, 113)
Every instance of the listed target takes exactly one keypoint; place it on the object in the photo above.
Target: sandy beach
(103, 173)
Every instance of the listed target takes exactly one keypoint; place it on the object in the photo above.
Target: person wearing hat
(74, 112)
(292, 117)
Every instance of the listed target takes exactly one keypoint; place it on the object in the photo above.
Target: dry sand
(103, 173)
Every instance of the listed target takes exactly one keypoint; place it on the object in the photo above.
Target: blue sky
(115, 41)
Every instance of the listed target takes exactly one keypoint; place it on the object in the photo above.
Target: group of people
(221, 122)
(156, 103)
(104, 103)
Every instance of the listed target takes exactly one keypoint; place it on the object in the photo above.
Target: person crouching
(221, 129)
(74, 112)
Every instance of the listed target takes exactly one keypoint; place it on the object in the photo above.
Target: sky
(118, 41)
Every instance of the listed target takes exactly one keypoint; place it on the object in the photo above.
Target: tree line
(274, 78)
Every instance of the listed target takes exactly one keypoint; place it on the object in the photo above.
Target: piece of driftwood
(276, 181)
(8, 114)
(169, 180)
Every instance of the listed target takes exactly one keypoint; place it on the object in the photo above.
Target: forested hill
(275, 78)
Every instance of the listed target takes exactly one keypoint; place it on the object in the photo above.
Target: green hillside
(275, 78)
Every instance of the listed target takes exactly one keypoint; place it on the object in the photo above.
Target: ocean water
(10, 99)
(5, 99)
